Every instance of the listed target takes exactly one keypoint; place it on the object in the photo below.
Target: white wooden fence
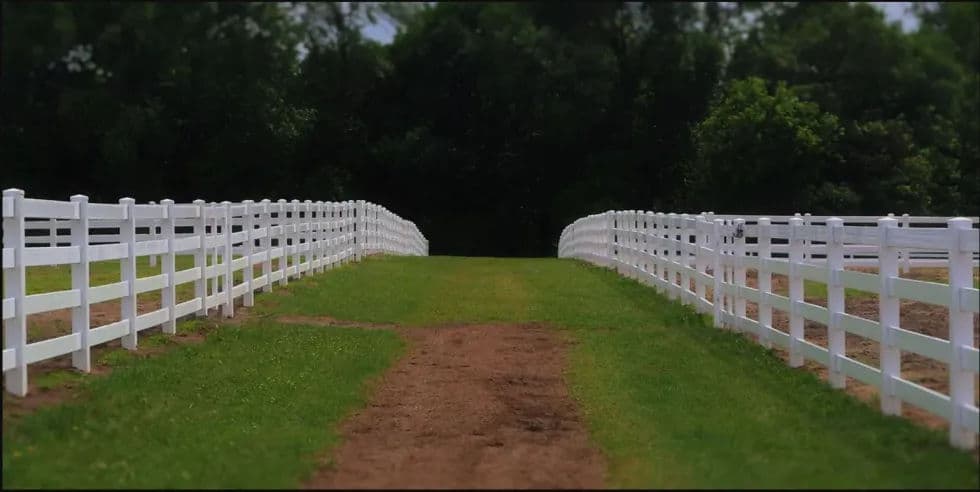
(315, 236)
(669, 251)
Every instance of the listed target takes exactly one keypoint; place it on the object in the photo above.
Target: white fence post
(796, 231)
(616, 238)
(642, 233)
(663, 234)
(318, 237)
(656, 250)
(265, 244)
(739, 260)
(906, 257)
(307, 237)
(201, 258)
(152, 235)
(214, 215)
(806, 239)
(609, 218)
(52, 232)
(888, 317)
(228, 308)
(294, 224)
(359, 235)
(961, 379)
(764, 277)
(127, 273)
(15, 285)
(835, 301)
(249, 272)
(283, 235)
(700, 260)
(168, 297)
(81, 359)
(673, 257)
(685, 257)
(716, 271)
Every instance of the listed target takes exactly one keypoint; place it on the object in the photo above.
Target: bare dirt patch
(329, 321)
(482, 406)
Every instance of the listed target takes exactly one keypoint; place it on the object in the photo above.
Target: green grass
(253, 407)
(671, 401)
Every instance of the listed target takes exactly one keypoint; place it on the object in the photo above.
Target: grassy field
(252, 407)
(671, 401)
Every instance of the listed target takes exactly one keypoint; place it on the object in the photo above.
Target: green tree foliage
(758, 147)
(492, 125)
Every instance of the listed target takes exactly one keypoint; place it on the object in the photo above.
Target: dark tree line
(493, 125)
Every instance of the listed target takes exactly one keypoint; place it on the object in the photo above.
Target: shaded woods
(493, 125)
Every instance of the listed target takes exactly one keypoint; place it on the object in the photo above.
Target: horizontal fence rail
(674, 251)
(223, 238)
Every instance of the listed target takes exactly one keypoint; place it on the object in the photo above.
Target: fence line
(304, 237)
(670, 251)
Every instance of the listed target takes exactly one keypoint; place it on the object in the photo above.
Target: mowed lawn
(670, 400)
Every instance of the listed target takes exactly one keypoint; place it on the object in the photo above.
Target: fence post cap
(281, 200)
(127, 200)
(959, 223)
(79, 198)
(13, 192)
(266, 200)
(198, 202)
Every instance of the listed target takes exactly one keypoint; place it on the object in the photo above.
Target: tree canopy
(493, 125)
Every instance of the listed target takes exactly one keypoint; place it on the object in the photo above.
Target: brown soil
(468, 407)
(329, 321)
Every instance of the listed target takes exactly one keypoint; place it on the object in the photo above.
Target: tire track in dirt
(480, 406)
